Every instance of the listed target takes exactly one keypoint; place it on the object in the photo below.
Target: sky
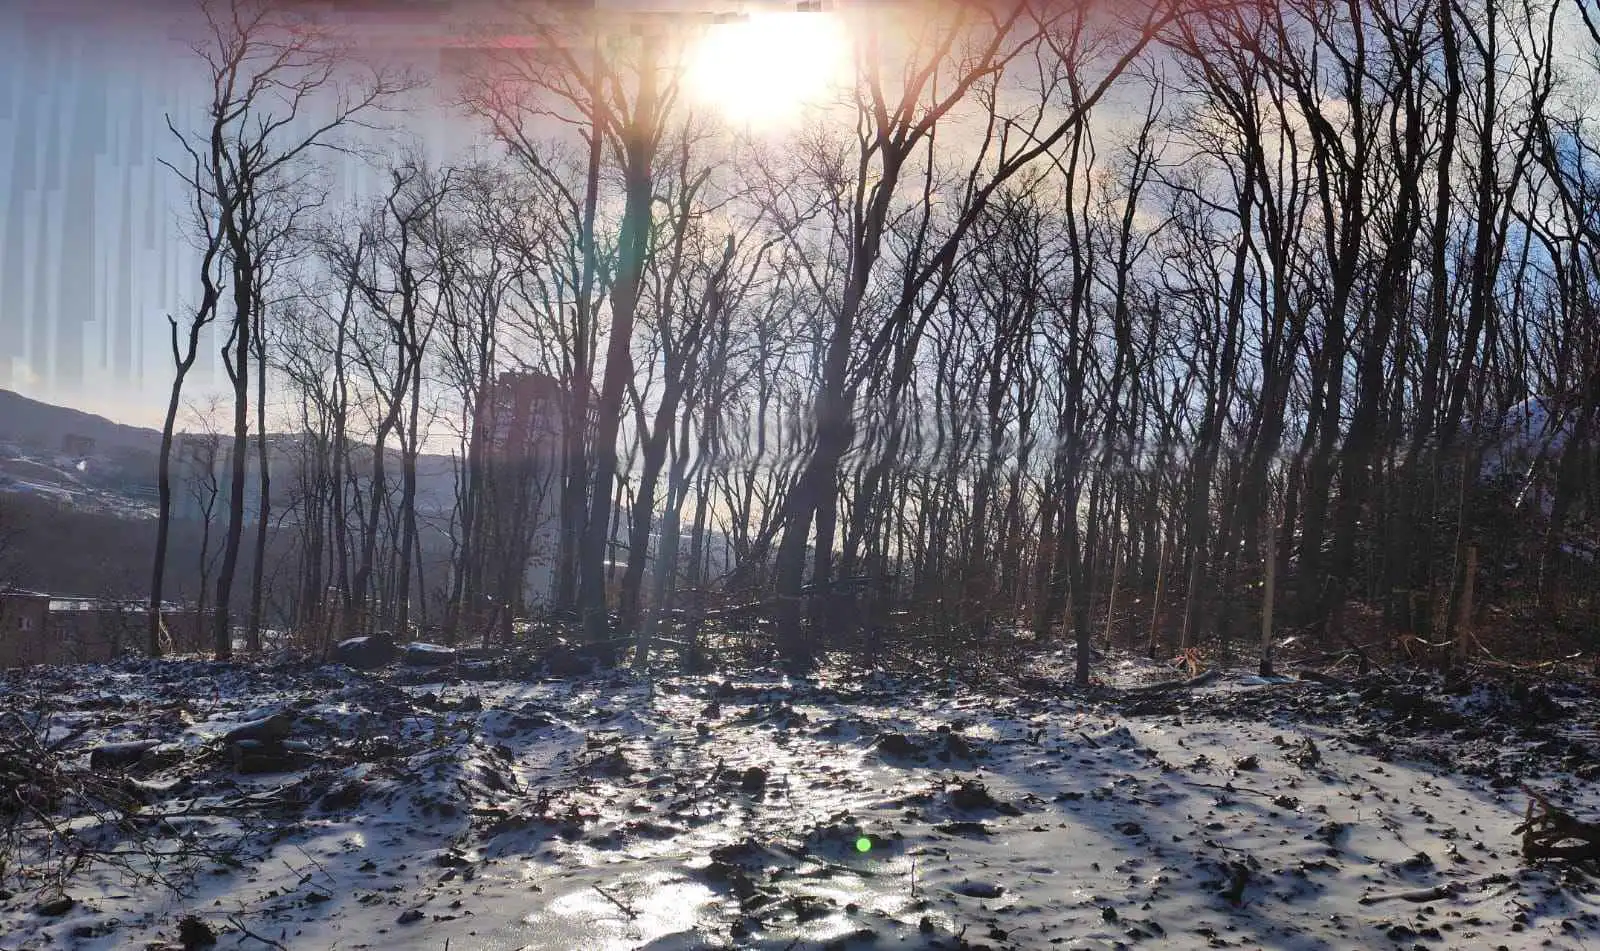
(95, 246)
(87, 256)
(95, 249)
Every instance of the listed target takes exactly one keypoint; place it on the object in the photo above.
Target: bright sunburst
(764, 69)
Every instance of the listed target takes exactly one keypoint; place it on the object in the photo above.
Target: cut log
(564, 660)
(419, 654)
(257, 756)
(268, 730)
(365, 653)
(119, 755)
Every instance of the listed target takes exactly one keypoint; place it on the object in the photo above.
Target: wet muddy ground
(450, 807)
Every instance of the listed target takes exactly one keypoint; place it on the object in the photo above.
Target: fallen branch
(1199, 680)
(615, 901)
(1230, 788)
(1436, 893)
(246, 805)
(246, 932)
(1319, 677)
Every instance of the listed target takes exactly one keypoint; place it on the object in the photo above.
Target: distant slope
(124, 457)
(28, 422)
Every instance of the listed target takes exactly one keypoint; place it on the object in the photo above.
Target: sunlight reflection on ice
(660, 904)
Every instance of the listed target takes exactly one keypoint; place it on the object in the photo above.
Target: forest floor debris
(181, 804)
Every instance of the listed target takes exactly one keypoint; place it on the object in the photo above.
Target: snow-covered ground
(857, 811)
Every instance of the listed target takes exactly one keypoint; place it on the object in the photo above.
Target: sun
(764, 69)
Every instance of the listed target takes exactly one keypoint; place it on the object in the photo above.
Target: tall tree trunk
(643, 514)
(238, 367)
(408, 495)
(164, 496)
(264, 487)
(634, 245)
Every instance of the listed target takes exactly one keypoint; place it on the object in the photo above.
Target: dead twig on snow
(238, 923)
(618, 902)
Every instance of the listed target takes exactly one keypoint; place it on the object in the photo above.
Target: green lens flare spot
(863, 844)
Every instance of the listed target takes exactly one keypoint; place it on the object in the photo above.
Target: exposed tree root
(1552, 833)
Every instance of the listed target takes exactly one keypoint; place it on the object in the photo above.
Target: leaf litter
(407, 806)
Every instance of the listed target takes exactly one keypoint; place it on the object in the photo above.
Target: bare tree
(200, 450)
(277, 93)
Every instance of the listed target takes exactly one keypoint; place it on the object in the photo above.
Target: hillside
(117, 473)
(37, 425)
(81, 519)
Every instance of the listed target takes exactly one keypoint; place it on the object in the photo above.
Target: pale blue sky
(93, 251)
(87, 257)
